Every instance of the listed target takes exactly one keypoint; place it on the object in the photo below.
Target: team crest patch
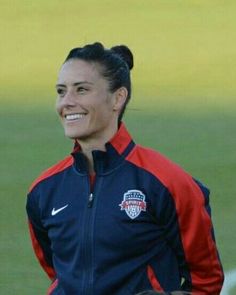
(133, 203)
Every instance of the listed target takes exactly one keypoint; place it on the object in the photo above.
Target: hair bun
(125, 53)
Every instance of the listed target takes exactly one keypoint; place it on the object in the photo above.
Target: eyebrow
(75, 84)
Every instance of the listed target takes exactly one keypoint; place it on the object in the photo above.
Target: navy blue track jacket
(145, 224)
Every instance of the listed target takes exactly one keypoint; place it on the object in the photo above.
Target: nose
(68, 100)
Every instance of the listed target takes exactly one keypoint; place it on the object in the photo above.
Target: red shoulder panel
(62, 165)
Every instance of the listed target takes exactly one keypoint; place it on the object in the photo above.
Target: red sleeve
(40, 253)
(39, 237)
(193, 218)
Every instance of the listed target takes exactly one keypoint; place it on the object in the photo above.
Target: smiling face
(87, 108)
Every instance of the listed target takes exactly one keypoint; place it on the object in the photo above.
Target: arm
(39, 238)
(189, 232)
(188, 227)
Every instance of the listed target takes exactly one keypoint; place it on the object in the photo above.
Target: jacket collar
(117, 149)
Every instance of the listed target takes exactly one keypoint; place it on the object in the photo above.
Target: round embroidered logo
(133, 203)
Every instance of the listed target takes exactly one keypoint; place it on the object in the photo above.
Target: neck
(91, 144)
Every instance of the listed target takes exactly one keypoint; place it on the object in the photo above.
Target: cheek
(104, 113)
(58, 106)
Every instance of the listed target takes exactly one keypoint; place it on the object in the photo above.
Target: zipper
(87, 285)
(90, 200)
(92, 180)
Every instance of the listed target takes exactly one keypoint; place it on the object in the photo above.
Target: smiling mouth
(74, 117)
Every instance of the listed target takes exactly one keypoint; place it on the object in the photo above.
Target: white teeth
(72, 117)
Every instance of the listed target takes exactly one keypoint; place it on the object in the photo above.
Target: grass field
(183, 103)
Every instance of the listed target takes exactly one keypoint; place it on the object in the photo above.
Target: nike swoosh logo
(54, 211)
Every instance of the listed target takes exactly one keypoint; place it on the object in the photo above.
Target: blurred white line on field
(230, 282)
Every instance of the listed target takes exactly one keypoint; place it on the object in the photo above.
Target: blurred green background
(183, 103)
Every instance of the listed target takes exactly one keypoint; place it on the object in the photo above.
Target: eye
(61, 91)
(81, 89)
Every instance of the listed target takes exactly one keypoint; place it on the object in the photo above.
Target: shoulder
(53, 170)
(187, 193)
(168, 172)
(181, 185)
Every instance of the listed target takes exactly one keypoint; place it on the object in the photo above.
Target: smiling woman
(93, 92)
(115, 217)
(88, 109)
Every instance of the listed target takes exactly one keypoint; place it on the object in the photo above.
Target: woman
(115, 217)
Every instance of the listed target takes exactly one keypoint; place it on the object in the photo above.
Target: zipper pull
(90, 200)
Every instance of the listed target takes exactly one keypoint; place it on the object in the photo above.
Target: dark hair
(115, 63)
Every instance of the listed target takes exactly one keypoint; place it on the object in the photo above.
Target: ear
(120, 98)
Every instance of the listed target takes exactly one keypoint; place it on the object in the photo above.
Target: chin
(76, 131)
(72, 135)
(76, 135)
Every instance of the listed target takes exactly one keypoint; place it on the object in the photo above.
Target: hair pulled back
(115, 63)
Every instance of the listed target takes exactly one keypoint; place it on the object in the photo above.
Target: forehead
(76, 70)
